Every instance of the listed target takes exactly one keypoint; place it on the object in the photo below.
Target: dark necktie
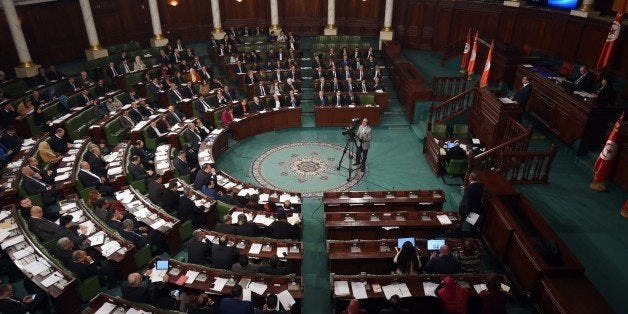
(176, 92)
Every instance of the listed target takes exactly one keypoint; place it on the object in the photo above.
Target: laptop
(450, 145)
(401, 241)
(162, 265)
(435, 244)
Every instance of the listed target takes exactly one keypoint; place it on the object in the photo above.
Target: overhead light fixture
(238, 0)
(173, 3)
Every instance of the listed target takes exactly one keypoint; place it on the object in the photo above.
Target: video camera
(352, 128)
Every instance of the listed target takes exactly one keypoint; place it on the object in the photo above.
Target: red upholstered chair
(566, 68)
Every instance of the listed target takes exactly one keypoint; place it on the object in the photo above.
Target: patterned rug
(306, 167)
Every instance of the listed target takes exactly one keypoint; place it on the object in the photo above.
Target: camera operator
(364, 143)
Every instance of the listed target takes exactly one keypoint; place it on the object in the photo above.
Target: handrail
(450, 108)
(452, 49)
(448, 86)
(528, 167)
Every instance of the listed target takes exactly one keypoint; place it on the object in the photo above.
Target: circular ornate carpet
(306, 167)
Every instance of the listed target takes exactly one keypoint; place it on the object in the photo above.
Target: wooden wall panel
(191, 20)
(304, 17)
(247, 12)
(8, 55)
(359, 17)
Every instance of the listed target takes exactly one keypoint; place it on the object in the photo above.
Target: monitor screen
(563, 4)
(162, 265)
(434, 245)
(401, 241)
(450, 145)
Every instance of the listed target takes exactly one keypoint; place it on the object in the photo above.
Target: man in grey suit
(364, 143)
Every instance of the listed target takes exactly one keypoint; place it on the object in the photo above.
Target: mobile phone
(175, 293)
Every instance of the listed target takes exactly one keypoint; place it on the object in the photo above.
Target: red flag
(487, 66)
(466, 51)
(474, 53)
(604, 163)
(613, 34)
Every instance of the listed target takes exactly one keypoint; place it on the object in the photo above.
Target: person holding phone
(407, 260)
(30, 303)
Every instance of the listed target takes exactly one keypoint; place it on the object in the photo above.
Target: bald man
(442, 263)
(33, 183)
(90, 179)
(133, 290)
(42, 227)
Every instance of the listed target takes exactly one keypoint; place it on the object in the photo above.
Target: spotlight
(173, 3)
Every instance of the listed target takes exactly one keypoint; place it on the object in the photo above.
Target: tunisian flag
(474, 53)
(465, 52)
(487, 66)
(613, 34)
(604, 163)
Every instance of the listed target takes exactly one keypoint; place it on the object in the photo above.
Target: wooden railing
(453, 49)
(447, 87)
(451, 108)
(516, 139)
(527, 167)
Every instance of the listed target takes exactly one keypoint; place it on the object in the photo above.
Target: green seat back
(142, 256)
(456, 167)
(222, 209)
(185, 230)
(139, 186)
(150, 143)
(439, 130)
(461, 131)
(88, 288)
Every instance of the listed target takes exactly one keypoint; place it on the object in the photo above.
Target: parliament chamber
(188, 156)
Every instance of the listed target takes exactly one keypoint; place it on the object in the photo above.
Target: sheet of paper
(479, 287)
(286, 299)
(191, 276)
(429, 288)
(258, 287)
(341, 288)
(219, 284)
(359, 290)
(399, 289)
(23, 253)
(52, 279)
(263, 198)
(246, 294)
(12, 241)
(284, 197)
(4, 214)
(4, 234)
(472, 218)
(443, 219)
(157, 224)
(157, 275)
(110, 248)
(505, 287)
(294, 219)
(281, 251)
(97, 239)
(106, 308)
(262, 219)
(255, 248)
(506, 100)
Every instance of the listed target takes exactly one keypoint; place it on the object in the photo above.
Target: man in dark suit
(224, 256)
(225, 226)
(11, 140)
(199, 249)
(261, 90)
(133, 290)
(96, 161)
(187, 91)
(91, 179)
(71, 231)
(352, 99)
(273, 267)
(135, 114)
(281, 229)
(124, 67)
(33, 184)
(156, 189)
(235, 304)
(472, 199)
(170, 198)
(183, 167)
(337, 100)
(241, 109)
(42, 227)
(174, 96)
(138, 172)
(47, 176)
(442, 263)
(293, 100)
(83, 80)
(246, 228)
(63, 250)
(203, 177)
(28, 304)
(189, 211)
(111, 70)
(192, 136)
(58, 143)
(523, 94)
(84, 267)
(321, 99)
(583, 81)
(456, 152)
(377, 86)
(604, 92)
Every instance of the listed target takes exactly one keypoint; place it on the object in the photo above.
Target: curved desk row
(384, 200)
(265, 122)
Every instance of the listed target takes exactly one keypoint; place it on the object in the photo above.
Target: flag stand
(598, 186)
(624, 209)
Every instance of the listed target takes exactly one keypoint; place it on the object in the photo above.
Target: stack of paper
(255, 248)
(341, 288)
(191, 276)
(429, 288)
(109, 248)
(359, 290)
(443, 219)
(219, 283)
(258, 287)
(262, 219)
(286, 299)
(400, 289)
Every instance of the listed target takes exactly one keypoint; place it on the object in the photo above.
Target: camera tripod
(350, 146)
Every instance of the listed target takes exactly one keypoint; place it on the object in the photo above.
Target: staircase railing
(452, 49)
(527, 167)
(447, 87)
(450, 108)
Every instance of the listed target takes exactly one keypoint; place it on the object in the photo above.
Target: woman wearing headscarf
(453, 297)
(46, 153)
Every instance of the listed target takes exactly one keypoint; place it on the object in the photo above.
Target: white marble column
(27, 67)
(158, 39)
(387, 32)
(217, 32)
(585, 10)
(274, 17)
(94, 51)
(331, 18)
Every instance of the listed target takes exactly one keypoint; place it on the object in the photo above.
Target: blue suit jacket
(235, 306)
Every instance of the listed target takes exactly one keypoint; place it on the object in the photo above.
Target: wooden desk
(117, 167)
(341, 116)
(120, 305)
(11, 174)
(265, 122)
(70, 162)
(97, 130)
(201, 200)
(370, 226)
(566, 115)
(410, 85)
(64, 295)
(276, 284)
(263, 220)
(389, 201)
(163, 161)
(136, 133)
(123, 257)
(376, 256)
(213, 146)
(136, 206)
(506, 59)
(274, 196)
(419, 302)
(269, 248)
(513, 228)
